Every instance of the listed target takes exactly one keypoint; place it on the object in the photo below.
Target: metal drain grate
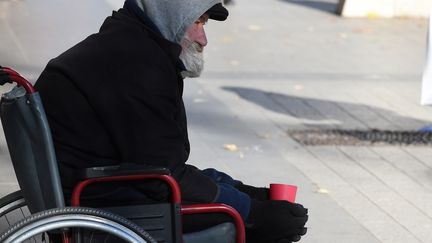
(360, 137)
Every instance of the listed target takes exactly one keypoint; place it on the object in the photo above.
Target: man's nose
(202, 40)
(201, 37)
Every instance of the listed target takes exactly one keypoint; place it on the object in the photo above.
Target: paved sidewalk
(279, 65)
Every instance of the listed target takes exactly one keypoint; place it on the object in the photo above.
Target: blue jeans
(228, 194)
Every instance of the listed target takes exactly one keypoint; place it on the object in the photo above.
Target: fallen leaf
(323, 191)
(231, 147)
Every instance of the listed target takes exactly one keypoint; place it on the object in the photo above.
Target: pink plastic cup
(283, 192)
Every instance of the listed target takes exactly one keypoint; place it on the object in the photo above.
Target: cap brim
(218, 12)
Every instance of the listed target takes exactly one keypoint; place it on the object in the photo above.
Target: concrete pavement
(273, 66)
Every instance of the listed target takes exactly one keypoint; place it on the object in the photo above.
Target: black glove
(259, 193)
(284, 241)
(274, 221)
(292, 239)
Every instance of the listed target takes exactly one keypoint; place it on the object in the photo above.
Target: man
(116, 97)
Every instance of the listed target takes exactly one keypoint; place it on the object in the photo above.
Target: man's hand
(276, 221)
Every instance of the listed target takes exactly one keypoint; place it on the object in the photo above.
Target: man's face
(192, 48)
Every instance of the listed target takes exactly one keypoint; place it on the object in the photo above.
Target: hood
(173, 17)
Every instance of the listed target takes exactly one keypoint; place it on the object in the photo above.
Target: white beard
(192, 58)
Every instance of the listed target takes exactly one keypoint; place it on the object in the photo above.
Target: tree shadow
(330, 6)
(320, 113)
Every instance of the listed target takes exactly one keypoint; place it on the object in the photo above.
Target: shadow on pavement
(326, 6)
(312, 109)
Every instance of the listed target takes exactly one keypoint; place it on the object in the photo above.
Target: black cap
(218, 12)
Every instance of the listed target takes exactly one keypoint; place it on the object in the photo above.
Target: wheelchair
(38, 212)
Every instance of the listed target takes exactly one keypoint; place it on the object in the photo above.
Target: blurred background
(277, 68)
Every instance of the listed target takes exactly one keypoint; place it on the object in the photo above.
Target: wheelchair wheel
(13, 208)
(43, 224)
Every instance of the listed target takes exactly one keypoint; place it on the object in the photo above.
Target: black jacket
(117, 97)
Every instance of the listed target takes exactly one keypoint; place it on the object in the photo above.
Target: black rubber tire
(33, 219)
(12, 198)
(13, 208)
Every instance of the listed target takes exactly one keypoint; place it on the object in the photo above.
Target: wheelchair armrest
(121, 170)
(124, 172)
(219, 208)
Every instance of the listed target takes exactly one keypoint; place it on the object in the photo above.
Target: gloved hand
(274, 221)
(259, 193)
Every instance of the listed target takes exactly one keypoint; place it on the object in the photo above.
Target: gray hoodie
(173, 17)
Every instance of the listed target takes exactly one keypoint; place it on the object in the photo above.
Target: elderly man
(116, 97)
